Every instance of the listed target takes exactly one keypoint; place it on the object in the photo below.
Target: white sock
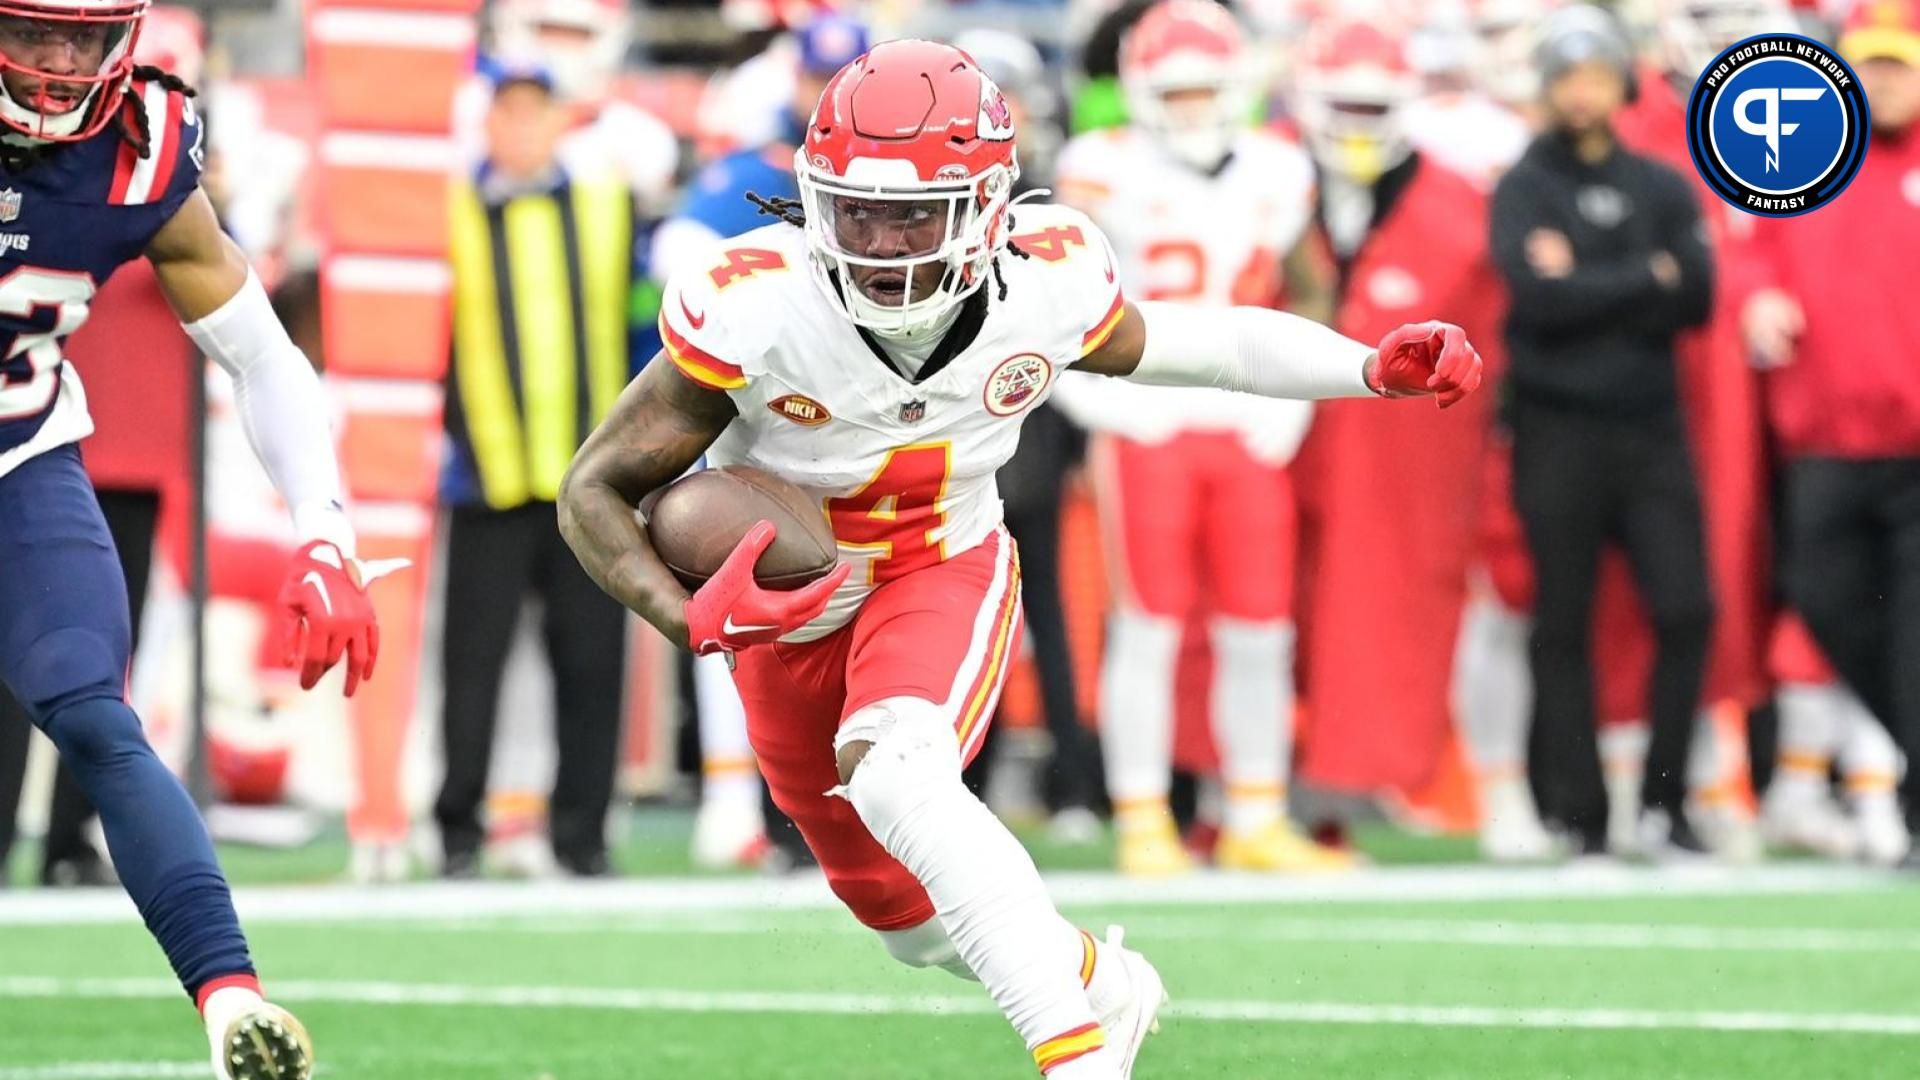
(1495, 690)
(224, 1005)
(984, 887)
(1253, 717)
(728, 773)
(1717, 762)
(1101, 972)
(1136, 711)
(1209, 801)
(1812, 721)
(1869, 760)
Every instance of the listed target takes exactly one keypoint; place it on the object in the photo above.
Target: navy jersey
(67, 222)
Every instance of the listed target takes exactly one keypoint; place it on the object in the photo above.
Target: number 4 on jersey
(896, 513)
(745, 262)
(1051, 244)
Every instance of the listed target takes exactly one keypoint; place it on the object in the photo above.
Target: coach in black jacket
(1603, 251)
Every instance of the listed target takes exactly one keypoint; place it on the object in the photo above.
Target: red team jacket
(135, 363)
(1853, 388)
(1389, 504)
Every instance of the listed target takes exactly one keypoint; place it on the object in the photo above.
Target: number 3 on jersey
(896, 513)
(38, 309)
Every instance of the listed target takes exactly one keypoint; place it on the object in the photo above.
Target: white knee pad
(914, 758)
(926, 945)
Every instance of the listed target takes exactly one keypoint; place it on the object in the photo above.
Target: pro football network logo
(1778, 125)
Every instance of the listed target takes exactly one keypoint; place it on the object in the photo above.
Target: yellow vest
(540, 289)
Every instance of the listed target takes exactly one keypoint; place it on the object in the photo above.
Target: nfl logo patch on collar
(9, 204)
(912, 412)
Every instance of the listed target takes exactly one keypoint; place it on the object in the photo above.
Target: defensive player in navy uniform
(99, 164)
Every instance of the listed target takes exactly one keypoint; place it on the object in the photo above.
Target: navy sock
(158, 841)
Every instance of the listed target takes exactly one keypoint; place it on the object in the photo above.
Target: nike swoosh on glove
(731, 611)
(1425, 358)
(328, 614)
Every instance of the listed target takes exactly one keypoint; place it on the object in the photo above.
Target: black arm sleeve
(1685, 235)
(1591, 293)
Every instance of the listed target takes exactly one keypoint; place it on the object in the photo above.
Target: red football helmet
(1353, 81)
(1185, 70)
(65, 64)
(908, 162)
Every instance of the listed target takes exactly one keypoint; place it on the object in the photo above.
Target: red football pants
(944, 634)
(1197, 524)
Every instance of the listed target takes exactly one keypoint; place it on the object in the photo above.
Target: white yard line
(437, 901)
(107, 1070)
(1149, 928)
(1268, 1012)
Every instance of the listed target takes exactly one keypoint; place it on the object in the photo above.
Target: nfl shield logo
(9, 205)
(913, 412)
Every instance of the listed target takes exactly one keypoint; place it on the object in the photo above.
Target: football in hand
(697, 521)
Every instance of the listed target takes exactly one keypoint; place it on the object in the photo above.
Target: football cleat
(1667, 838)
(1277, 848)
(1808, 821)
(729, 835)
(264, 1042)
(1510, 829)
(1883, 834)
(1151, 848)
(1138, 1014)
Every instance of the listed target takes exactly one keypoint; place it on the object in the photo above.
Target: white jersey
(1187, 236)
(904, 470)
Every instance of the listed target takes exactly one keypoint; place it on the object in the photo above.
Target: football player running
(1193, 483)
(920, 314)
(100, 163)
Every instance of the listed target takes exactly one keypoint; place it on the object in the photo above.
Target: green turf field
(1410, 971)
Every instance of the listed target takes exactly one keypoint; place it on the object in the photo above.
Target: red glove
(328, 615)
(731, 611)
(1425, 358)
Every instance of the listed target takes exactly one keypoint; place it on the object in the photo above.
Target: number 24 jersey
(904, 470)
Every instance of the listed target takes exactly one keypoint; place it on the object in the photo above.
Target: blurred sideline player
(102, 162)
(730, 829)
(1396, 233)
(1457, 120)
(1724, 424)
(1821, 722)
(583, 43)
(1193, 486)
(921, 313)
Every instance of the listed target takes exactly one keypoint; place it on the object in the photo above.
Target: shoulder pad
(715, 312)
(1082, 273)
(176, 149)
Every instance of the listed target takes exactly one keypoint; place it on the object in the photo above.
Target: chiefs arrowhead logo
(996, 114)
(800, 409)
(695, 321)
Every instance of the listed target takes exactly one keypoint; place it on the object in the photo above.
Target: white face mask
(872, 246)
